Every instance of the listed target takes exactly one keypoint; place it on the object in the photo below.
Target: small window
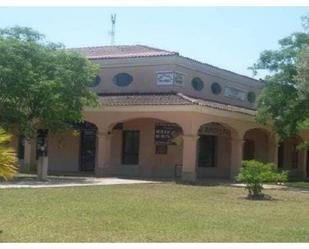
(216, 88)
(251, 97)
(130, 147)
(96, 81)
(122, 79)
(197, 84)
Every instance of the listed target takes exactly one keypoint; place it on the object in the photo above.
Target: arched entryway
(256, 145)
(214, 150)
(291, 156)
(145, 147)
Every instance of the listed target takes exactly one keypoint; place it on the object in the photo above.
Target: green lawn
(298, 184)
(151, 213)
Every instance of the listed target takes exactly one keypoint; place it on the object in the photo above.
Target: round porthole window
(122, 79)
(216, 88)
(251, 97)
(197, 84)
(96, 81)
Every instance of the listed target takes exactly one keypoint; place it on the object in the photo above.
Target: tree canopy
(41, 82)
(284, 99)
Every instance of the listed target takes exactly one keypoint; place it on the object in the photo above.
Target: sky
(228, 37)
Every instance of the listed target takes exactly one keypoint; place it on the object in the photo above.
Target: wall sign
(170, 78)
(161, 149)
(179, 78)
(214, 129)
(167, 133)
(235, 93)
(165, 78)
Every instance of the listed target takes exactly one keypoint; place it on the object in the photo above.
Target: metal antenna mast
(112, 32)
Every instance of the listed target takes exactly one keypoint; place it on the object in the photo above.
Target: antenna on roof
(112, 32)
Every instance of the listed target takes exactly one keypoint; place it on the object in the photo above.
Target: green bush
(254, 173)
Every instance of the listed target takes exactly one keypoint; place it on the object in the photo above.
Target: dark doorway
(249, 149)
(307, 164)
(130, 147)
(87, 147)
(207, 146)
(21, 148)
(281, 156)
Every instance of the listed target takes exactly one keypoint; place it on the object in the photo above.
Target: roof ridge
(158, 49)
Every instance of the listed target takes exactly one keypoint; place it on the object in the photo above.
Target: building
(165, 115)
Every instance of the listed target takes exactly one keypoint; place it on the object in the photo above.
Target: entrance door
(249, 149)
(88, 149)
(130, 147)
(207, 151)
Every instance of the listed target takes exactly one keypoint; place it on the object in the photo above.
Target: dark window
(251, 97)
(197, 84)
(216, 88)
(122, 79)
(249, 149)
(130, 147)
(207, 147)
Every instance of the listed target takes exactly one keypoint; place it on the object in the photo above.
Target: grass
(152, 213)
(298, 184)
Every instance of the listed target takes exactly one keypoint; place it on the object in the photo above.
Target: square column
(189, 158)
(103, 153)
(29, 155)
(236, 156)
(273, 147)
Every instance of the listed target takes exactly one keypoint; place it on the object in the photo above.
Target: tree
(7, 157)
(41, 84)
(282, 100)
(254, 174)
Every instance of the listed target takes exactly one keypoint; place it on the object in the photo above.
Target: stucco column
(29, 154)
(189, 157)
(236, 156)
(273, 147)
(103, 153)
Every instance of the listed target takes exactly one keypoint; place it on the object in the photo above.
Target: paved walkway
(56, 182)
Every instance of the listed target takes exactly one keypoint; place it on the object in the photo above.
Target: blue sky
(227, 37)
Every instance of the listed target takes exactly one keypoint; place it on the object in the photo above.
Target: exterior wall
(63, 152)
(208, 79)
(260, 139)
(150, 164)
(144, 78)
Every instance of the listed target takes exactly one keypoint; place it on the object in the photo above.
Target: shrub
(254, 174)
(7, 157)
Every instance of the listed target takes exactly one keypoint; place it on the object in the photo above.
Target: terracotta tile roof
(124, 51)
(171, 98)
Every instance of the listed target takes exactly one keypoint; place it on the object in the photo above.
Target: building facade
(165, 115)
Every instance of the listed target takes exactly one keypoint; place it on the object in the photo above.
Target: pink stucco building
(165, 115)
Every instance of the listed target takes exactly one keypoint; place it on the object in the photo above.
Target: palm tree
(7, 157)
